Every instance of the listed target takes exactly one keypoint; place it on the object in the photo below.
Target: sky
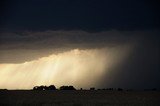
(84, 43)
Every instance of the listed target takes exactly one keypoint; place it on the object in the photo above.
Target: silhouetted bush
(92, 88)
(39, 88)
(67, 88)
(120, 89)
(110, 89)
(51, 87)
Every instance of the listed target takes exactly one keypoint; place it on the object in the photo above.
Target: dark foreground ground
(79, 98)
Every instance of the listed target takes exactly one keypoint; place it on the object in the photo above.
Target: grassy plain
(79, 98)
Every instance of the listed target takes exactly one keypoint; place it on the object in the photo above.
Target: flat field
(79, 98)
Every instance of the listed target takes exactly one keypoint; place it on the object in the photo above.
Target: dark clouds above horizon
(31, 29)
(39, 44)
(88, 15)
(26, 46)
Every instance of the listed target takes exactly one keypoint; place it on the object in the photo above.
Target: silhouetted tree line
(52, 87)
(67, 88)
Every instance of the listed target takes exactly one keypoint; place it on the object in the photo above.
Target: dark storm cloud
(58, 39)
(89, 15)
(26, 46)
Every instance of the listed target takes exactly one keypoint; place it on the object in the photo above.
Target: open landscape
(79, 98)
(79, 53)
